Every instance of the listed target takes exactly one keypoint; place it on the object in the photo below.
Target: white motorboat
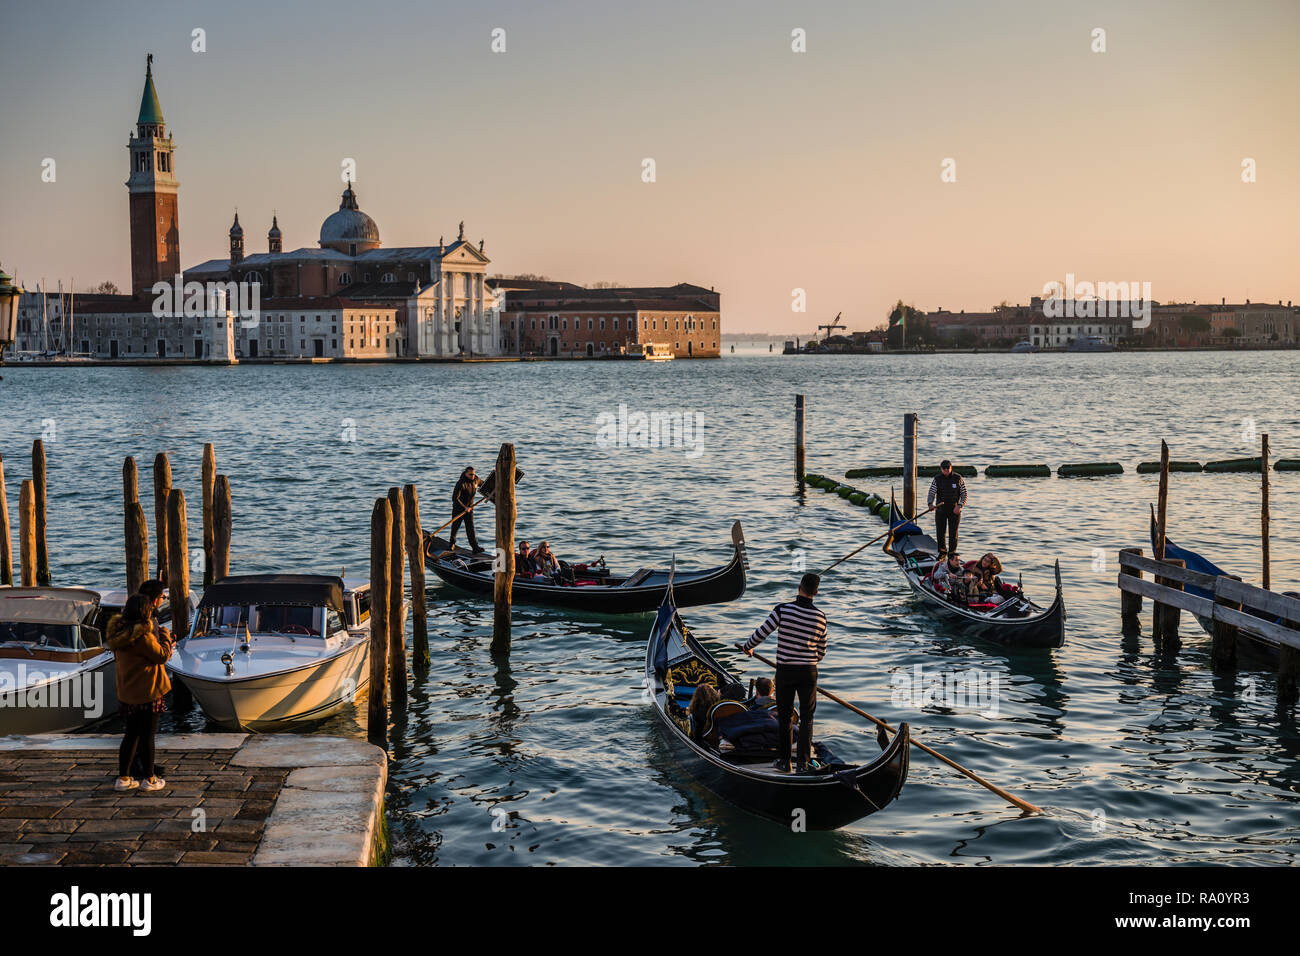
(1024, 345)
(56, 675)
(269, 651)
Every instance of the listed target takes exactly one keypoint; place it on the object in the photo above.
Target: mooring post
(1162, 502)
(178, 566)
(909, 464)
(396, 632)
(415, 557)
(134, 528)
(381, 543)
(208, 477)
(222, 520)
(798, 438)
(504, 499)
(40, 491)
(1223, 645)
(162, 487)
(27, 534)
(6, 540)
(1263, 514)
(1288, 675)
(1130, 605)
(1165, 620)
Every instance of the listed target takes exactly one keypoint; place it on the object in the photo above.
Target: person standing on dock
(800, 645)
(948, 492)
(462, 500)
(141, 648)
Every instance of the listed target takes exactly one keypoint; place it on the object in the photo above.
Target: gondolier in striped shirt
(800, 645)
(948, 492)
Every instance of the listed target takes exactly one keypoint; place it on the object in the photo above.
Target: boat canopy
(47, 605)
(306, 590)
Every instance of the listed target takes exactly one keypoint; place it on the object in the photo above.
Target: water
(1136, 758)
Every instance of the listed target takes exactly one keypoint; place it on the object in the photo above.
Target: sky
(774, 170)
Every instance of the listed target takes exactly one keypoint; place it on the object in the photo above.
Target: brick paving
(58, 807)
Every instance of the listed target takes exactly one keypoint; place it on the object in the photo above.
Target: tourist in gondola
(763, 699)
(948, 575)
(947, 496)
(545, 561)
(462, 499)
(702, 702)
(985, 573)
(524, 560)
(800, 645)
(141, 648)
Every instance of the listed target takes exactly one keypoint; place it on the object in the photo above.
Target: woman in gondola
(987, 587)
(702, 703)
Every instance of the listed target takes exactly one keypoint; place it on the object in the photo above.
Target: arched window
(345, 279)
(388, 277)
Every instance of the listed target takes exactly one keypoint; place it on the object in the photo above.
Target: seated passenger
(544, 560)
(948, 573)
(524, 559)
(985, 573)
(750, 729)
(763, 699)
(702, 701)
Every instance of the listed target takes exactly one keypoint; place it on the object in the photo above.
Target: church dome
(349, 226)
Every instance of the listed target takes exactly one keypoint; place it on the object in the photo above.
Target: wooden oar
(1010, 798)
(875, 539)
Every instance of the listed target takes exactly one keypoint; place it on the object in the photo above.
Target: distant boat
(1090, 343)
(1024, 345)
(655, 352)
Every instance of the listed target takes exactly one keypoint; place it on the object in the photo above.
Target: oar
(875, 539)
(1010, 798)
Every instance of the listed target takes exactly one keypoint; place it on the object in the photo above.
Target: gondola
(591, 587)
(830, 795)
(1195, 562)
(1016, 622)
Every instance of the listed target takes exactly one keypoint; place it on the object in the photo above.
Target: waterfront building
(556, 319)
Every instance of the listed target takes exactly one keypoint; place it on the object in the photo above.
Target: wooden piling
(1162, 505)
(1130, 605)
(162, 487)
(909, 464)
(381, 543)
(6, 538)
(504, 499)
(27, 534)
(39, 489)
(798, 438)
(1164, 623)
(1263, 514)
(1223, 645)
(178, 567)
(396, 632)
(209, 478)
(415, 557)
(1288, 675)
(221, 527)
(135, 529)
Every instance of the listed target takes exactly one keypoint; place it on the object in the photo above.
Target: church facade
(347, 297)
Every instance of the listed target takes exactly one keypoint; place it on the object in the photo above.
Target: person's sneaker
(153, 783)
(781, 765)
(126, 783)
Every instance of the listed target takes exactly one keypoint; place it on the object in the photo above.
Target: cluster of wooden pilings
(1226, 609)
(33, 553)
(395, 534)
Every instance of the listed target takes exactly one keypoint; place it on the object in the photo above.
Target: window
(345, 279)
(388, 277)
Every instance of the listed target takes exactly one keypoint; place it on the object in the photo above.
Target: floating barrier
(1017, 471)
(1090, 469)
(1153, 467)
(874, 473)
(845, 490)
(857, 498)
(1233, 464)
(929, 471)
(1287, 464)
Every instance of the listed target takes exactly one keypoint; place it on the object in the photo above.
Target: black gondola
(591, 587)
(830, 795)
(1016, 622)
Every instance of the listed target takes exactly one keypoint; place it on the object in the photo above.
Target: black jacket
(462, 496)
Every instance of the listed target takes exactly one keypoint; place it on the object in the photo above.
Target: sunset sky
(776, 170)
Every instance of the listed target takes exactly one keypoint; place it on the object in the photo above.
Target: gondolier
(800, 645)
(462, 500)
(947, 496)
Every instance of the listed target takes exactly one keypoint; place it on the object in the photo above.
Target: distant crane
(835, 323)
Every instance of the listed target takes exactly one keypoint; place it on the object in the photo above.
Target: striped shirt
(937, 492)
(800, 632)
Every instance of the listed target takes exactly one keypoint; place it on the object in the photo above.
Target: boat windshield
(294, 620)
(56, 636)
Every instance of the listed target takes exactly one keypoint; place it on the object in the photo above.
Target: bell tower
(153, 187)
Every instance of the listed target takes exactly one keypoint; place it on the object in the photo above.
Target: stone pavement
(230, 800)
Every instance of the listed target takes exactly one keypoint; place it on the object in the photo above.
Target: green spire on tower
(150, 111)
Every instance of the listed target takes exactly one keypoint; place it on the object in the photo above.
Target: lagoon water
(1136, 758)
